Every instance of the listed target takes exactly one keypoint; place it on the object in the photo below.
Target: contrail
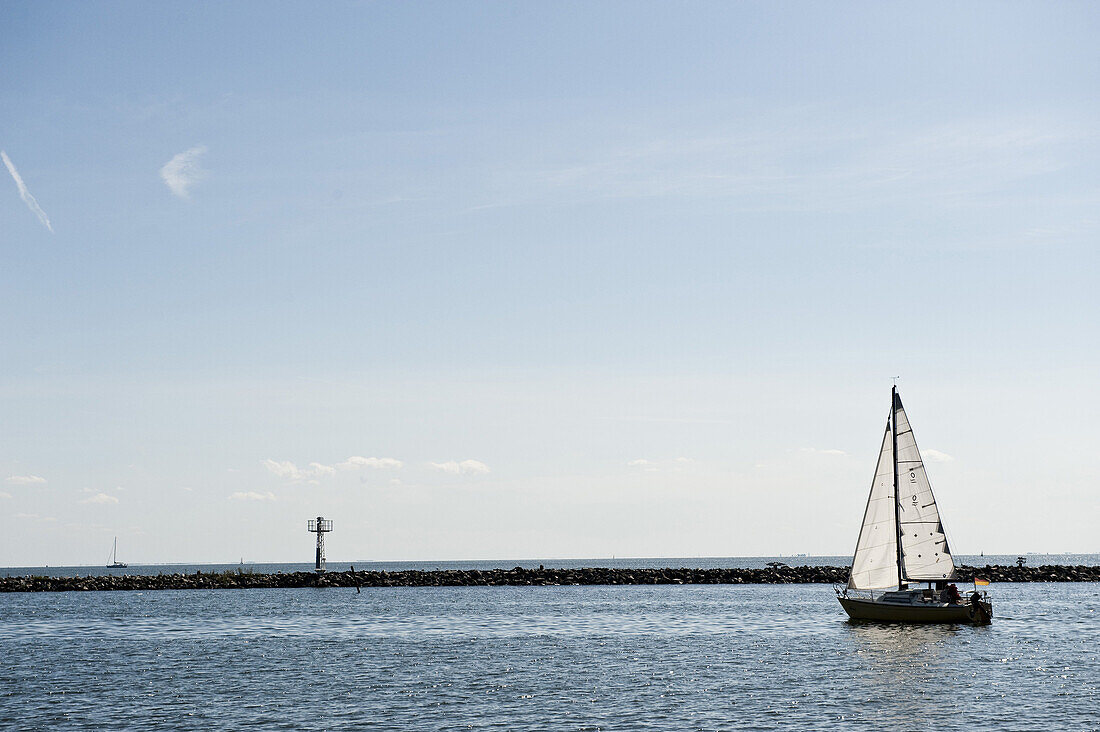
(25, 194)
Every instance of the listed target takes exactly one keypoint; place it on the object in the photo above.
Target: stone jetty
(515, 577)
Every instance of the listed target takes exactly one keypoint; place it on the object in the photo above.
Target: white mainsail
(875, 564)
(925, 554)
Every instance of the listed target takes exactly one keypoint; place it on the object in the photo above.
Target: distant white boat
(113, 561)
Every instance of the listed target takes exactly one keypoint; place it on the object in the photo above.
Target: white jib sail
(875, 564)
(925, 554)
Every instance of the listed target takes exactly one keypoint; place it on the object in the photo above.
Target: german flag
(980, 581)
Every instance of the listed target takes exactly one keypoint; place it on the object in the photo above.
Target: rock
(517, 576)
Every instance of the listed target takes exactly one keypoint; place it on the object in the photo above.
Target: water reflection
(909, 672)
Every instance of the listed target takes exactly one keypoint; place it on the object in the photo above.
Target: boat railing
(845, 591)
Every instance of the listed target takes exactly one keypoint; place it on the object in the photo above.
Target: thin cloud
(935, 456)
(466, 467)
(281, 468)
(671, 420)
(26, 480)
(652, 466)
(101, 498)
(356, 461)
(803, 160)
(4, 495)
(183, 171)
(289, 471)
(319, 469)
(252, 496)
(828, 451)
(24, 193)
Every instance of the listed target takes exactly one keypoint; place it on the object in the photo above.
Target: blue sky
(604, 278)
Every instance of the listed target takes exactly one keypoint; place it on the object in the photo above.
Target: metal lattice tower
(320, 527)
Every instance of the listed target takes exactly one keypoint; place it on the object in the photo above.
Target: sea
(690, 657)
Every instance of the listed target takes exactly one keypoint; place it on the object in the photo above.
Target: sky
(525, 280)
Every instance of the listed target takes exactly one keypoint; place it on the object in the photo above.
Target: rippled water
(668, 657)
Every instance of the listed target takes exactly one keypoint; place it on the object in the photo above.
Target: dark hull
(886, 612)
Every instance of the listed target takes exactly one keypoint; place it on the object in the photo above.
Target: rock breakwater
(515, 577)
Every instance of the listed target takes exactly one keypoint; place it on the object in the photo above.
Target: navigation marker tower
(320, 527)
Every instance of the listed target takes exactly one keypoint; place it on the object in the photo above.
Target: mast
(894, 456)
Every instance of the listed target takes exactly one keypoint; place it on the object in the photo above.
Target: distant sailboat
(114, 557)
(902, 541)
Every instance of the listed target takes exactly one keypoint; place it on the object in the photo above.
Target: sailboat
(114, 557)
(902, 543)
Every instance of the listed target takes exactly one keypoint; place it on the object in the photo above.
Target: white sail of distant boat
(914, 518)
